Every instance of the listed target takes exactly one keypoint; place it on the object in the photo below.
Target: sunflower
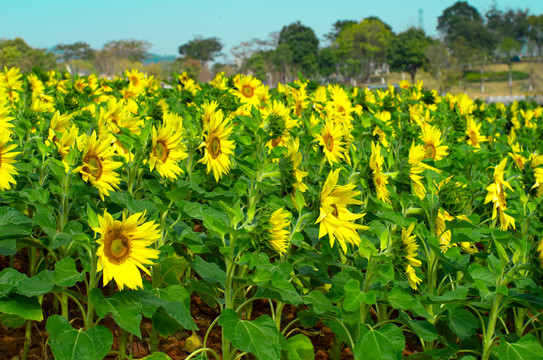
(11, 81)
(296, 159)
(248, 89)
(416, 155)
(278, 122)
(331, 140)
(97, 166)
(220, 81)
(217, 146)
(496, 194)
(474, 134)
(7, 170)
(444, 236)
(334, 218)
(66, 141)
(5, 119)
(431, 136)
(412, 277)
(136, 79)
(410, 248)
(209, 109)
(124, 248)
(380, 180)
(167, 150)
(278, 232)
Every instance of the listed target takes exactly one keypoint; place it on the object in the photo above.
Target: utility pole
(421, 23)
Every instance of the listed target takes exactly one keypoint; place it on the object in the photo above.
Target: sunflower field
(404, 223)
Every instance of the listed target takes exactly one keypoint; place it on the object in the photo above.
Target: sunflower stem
(89, 321)
(28, 339)
(124, 341)
(64, 305)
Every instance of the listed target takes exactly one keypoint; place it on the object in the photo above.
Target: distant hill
(154, 58)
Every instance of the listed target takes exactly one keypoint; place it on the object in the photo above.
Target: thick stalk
(488, 339)
(364, 308)
(28, 337)
(89, 321)
(228, 294)
(124, 341)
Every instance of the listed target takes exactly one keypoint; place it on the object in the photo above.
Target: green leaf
(423, 329)
(163, 323)
(68, 343)
(526, 348)
(157, 356)
(385, 343)
(66, 273)
(93, 218)
(398, 298)
(177, 304)
(300, 348)
(354, 297)
(36, 195)
(123, 306)
(214, 224)
(462, 323)
(11, 321)
(7, 247)
(8, 280)
(58, 239)
(36, 285)
(10, 216)
(321, 303)
(210, 272)
(26, 307)
(259, 337)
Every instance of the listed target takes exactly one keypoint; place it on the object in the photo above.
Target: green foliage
(68, 343)
(407, 51)
(303, 44)
(474, 76)
(201, 49)
(18, 54)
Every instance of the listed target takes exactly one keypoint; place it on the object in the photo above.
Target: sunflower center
(117, 247)
(94, 165)
(215, 147)
(329, 142)
(161, 151)
(335, 212)
(473, 138)
(430, 151)
(247, 91)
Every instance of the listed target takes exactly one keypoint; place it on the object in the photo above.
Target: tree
(17, 53)
(535, 32)
(201, 49)
(258, 66)
(326, 61)
(303, 45)
(363, 45)
(337, 27)
(132, 50)
(118, 55)
(408, 51)
(75, 51)
(509, 47)
(462, 21)
(441, 65)
(513, 24)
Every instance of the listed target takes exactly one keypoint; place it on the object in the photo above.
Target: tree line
(353, 51)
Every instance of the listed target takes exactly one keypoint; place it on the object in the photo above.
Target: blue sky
(169, 23)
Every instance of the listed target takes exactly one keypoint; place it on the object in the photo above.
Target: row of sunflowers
(406, 222)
